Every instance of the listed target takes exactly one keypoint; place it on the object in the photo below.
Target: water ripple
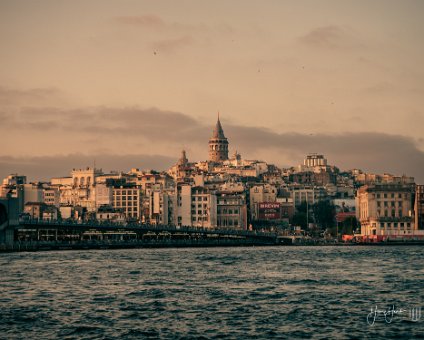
(210, 293)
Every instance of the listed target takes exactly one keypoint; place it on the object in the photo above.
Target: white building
(386, 209)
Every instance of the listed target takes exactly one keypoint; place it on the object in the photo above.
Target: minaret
(218, 144)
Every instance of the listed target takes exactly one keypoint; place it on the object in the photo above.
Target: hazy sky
(124, 81)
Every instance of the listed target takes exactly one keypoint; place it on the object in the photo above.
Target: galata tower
(218, 144)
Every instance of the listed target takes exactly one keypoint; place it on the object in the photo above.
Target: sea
(285, 292)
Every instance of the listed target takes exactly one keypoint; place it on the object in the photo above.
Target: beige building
(51, 196)
(160, 207)
(231, 210)
(386, 209)
(194, 206)
(260, 194)
(127, 199)
(79, 189)
(419, 207)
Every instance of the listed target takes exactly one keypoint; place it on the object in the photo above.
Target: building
(160, 207)
(35, 209)
(302, 194)
(218, 144)
(127, 198)
(231, 210)
(203, 208)
(260, 194)
(51, 196)
(10, 184)
(386, 209)
(313, 160)
(419, 207)
(107, 213)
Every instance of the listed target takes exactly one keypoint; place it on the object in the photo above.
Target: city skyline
(130, 84)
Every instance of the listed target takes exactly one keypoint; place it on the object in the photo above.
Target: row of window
(204, 219)
(228, 222)
(228, 211)
(392, 195)
(386, 213)
(205, 206)
(199, 198)
(128, 204)
(395, 225)
(229, 202)
(199, 212)
(386, 203)
(125, 192)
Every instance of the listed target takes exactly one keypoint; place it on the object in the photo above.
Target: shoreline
(52, 246)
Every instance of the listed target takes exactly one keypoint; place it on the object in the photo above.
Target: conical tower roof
(218, 132)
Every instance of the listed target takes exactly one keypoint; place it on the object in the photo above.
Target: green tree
(324, 212)
(348, 225)
(299, 218)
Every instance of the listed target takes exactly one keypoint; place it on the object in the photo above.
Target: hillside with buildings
(313, 198)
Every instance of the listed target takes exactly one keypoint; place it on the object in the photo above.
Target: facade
(303, 194)
(419, 207)
(127, 199)
(35, 209)
(313, 160)
(33, 192)
(231, 210)
(218, 145)
(51, 196)
(259, 194)
(160, 208)
(386, 209)
(203, 208)
(107, 213)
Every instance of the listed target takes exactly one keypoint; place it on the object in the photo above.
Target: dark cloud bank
(373, 152)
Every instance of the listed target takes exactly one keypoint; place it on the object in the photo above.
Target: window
(378, 195)
(385, 195)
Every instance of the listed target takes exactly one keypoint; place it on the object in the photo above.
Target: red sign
(269, 211)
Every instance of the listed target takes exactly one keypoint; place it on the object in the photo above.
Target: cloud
(36, 96)
(131, 131)
(102, 120)
(370, 151)
(43, 168)
(145, 21)
(328, 37)
(170, 45)
(155, 22)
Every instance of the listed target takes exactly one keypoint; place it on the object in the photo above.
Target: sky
(124, 84)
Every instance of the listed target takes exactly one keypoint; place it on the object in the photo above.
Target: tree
(299, 218)
(324, 212)
(349, 225)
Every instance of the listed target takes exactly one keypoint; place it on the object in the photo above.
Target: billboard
(269, 211)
